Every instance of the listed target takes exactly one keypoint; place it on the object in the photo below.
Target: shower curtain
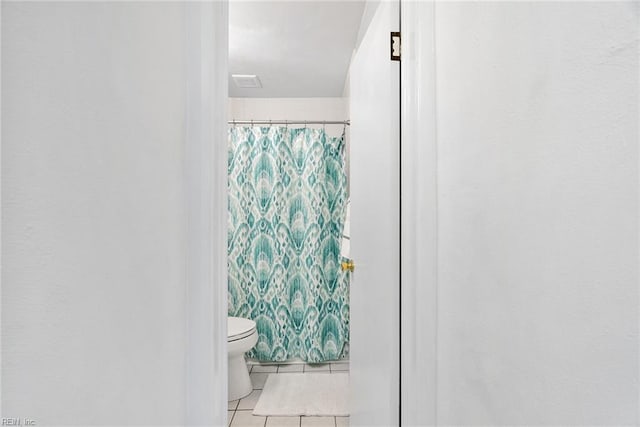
(287, 197)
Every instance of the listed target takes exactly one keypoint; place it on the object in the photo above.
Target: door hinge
(395, 43)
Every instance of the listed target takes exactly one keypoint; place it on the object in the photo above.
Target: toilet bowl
(241, 337)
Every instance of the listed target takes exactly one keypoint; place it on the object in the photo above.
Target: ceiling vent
(246, 81)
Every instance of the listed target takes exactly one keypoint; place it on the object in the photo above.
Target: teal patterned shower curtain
(287, 198)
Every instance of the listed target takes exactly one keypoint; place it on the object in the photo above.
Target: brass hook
(348, 265)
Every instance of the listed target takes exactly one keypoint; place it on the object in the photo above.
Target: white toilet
(241, 337)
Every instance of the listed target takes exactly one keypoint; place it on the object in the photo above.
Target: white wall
(537, 211)
(93, 213)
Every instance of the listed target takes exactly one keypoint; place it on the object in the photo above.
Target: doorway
(369, 99)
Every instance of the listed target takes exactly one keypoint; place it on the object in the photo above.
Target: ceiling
(297, 48)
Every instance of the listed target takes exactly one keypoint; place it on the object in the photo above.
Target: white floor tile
(291, 368)
(250, 401)
(342, 421)
(246, 419)
(233, 405)
(339, 367)
(258, 379)
(317, 368)
(229, 417)
(283, 422)
(318, 422)
(265, 368)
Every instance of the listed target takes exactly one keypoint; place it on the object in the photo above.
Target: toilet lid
(238, 328)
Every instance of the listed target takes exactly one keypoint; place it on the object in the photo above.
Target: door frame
(419, 215)
(205, 169)
(206, 211)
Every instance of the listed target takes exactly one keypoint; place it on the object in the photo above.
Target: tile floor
(241, 411)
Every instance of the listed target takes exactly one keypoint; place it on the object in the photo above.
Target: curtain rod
(290, 122)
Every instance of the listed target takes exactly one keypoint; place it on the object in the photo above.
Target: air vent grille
(250, 81)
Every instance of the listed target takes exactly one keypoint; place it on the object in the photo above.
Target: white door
(374, 347)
